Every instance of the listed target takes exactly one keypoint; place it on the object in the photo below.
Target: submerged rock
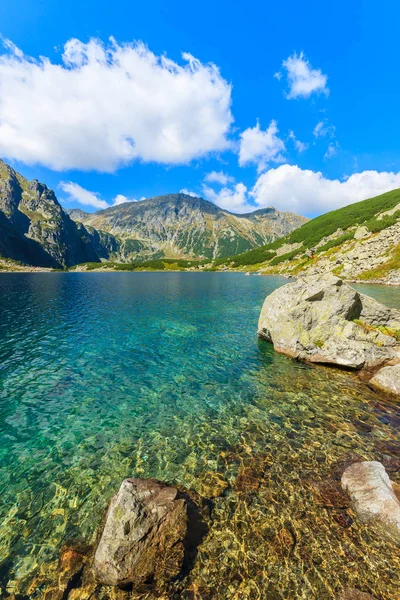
(353, 594)
(143, 537)
(321, 319)
(212, 485)
(373, 497)
(387, 380)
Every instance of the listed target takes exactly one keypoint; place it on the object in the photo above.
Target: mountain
(360, 241)
(181, 226)
(34, 228)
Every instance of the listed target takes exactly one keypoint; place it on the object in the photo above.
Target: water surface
(109, 375)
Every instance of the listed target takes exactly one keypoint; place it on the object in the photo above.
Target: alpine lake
(105, 376)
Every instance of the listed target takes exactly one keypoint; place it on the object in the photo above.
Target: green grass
(91, 266)
(395, 333)
(375, 225)
(157, 264)
(252, 257)
(349, 235)
(283, 257)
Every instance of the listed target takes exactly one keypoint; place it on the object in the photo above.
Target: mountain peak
(179, 225)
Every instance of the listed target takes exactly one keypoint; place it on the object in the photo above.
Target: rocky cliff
(34, 228)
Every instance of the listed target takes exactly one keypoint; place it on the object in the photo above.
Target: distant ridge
(182, 226)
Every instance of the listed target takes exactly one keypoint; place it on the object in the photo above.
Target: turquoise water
(109, 375)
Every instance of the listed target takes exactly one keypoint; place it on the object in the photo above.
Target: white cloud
(261, 147)
(188, 193)
(300, 146)
(322, 129)
(302, 79)
(77, 193)
(233, 199)
(121, 199)
(218, 177)
(309, 193)
(332, 150)
(107, 105)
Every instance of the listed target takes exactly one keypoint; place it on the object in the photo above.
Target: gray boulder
(387, 380)
(372, 496)
(142, 540)
(321, 319)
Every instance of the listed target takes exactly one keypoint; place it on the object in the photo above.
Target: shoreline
(49, 270)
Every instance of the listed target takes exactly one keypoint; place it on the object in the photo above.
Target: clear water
(109, 375)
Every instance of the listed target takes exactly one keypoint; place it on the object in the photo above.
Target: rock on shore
(372, 495)
(143, 537)
(321, 319)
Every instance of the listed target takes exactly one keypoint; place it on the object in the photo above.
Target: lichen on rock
(318, 319)
(142, 540)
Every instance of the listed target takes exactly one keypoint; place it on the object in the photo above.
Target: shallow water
(109, 375)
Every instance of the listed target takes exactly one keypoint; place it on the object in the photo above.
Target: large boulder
(387, 380)
(373, 497)
(321, 319)
(143, 537)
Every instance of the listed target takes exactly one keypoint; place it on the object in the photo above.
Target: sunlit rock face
(34, 228)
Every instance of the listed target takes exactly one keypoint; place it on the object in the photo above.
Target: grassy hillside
(158, 264)
(312, 233)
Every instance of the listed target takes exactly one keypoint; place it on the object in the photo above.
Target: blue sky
(300, 110)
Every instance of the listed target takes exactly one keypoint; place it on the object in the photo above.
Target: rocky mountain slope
(181, 226)
(34, 229)
(358, 242)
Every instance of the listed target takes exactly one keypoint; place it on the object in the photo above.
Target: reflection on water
(104, 376)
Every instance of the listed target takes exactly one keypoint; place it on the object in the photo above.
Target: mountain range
(36, 230)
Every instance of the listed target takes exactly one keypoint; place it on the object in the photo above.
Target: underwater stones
(251, 474)
(329, 494)
(211, 484)
(321, 319)
(343, 519)
(373, 497)
(353, 594)
(284, 542)
(387, 380)
(71, 564)
(143, 538)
